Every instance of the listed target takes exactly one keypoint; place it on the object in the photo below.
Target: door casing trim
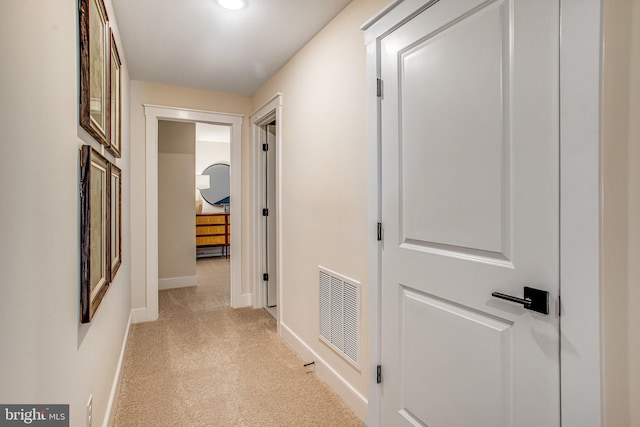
(270, 110)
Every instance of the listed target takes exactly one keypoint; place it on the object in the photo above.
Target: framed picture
(95, 46)
(115, 220)
(94, 230)
(115, 97)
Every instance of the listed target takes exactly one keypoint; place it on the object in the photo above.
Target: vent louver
(339, 299)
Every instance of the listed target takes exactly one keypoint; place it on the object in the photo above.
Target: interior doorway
(266, 126)
(268, 190)
(153, 113)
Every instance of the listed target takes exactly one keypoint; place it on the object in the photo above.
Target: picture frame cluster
(100, 105)
(101, 228)
(100, 77)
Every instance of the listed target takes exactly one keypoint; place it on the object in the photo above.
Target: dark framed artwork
(115, 92)
(95, 58)
(94, 231)
(115, 220)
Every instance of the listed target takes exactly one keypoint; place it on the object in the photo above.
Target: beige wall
(174, 96)
(621, 213)
(615, 125)
(46, 355)
(324, 175)
(633, 301)
(176, 199)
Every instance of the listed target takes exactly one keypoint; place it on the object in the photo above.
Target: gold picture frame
(94, 230)
(95, 58)
(115, 220)
(115, 93)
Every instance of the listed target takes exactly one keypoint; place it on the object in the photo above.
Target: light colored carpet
(205, 364)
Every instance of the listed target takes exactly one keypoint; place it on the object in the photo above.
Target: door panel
(432, 354)
(470, 206)
(456, 68)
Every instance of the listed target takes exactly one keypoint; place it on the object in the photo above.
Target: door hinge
(265, 277)
(265, 212)
(378, 374)
(379, 232)
(379, 88)
(265, 147)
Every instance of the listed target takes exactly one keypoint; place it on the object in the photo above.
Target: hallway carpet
(205, 364)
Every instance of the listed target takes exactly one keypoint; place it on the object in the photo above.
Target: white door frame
(270, 110)
(580, 204)
(154, 113)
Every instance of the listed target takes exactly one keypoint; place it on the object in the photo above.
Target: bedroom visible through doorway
(212, 175)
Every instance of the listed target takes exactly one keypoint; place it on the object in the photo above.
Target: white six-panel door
(470, 205)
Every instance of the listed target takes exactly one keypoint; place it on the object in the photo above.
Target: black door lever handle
(534, 299)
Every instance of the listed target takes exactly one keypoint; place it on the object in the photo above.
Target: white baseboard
(110, 413)
(356, 401)
(242, 300)
(246, 300)
(139, 315)
(177, 282)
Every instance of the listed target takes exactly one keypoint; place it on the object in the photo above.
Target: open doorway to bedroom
(193, 156)
(153, 115)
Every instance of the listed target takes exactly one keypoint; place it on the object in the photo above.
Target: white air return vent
(340, 314)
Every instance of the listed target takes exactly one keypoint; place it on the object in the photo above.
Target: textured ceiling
(197, 43)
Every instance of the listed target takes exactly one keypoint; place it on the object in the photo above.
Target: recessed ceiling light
(233, 4)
